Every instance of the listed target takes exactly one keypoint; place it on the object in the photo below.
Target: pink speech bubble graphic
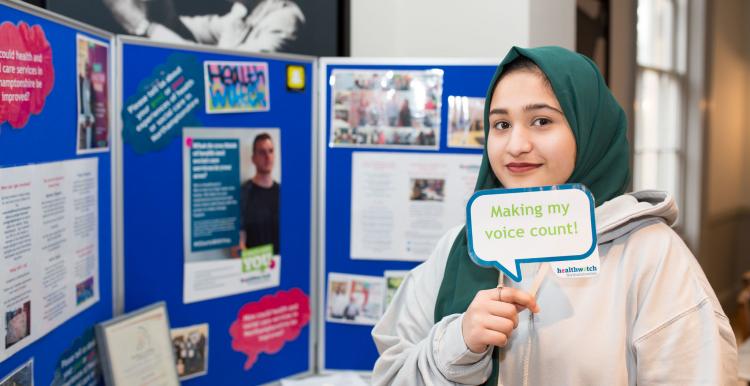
(266, 325)
(26, 72)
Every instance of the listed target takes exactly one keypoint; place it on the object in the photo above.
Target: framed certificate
(136, 348)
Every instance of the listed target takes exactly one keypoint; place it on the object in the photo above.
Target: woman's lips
(521, 167)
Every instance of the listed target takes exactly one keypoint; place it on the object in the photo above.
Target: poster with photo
(386, 108)
(22, 376)
(393, 280)
(49, 247)
(355, 299)
(403, 203)
(231, 200)
(236, 87)
(465, 122)
(92, 68)
(190, 345)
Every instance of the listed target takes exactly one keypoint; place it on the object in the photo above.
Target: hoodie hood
(623, 214)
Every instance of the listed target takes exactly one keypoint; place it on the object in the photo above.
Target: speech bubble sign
(26, 72)
(266, 325)
(507, 227)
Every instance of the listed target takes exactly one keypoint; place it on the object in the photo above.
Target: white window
(669, 86)
(660, 97)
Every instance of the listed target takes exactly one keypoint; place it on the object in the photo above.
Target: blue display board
(369, 100)
(52, 120)
(172, 244)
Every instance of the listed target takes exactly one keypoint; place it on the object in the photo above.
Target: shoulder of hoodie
(652, 249)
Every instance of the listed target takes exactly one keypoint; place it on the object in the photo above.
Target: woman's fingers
(513, 295)
(495, 338)
(499, 324)
(493, 315)
(504, 310)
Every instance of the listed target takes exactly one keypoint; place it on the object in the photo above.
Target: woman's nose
(519, 141)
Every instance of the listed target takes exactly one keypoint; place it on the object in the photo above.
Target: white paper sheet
(403, 203)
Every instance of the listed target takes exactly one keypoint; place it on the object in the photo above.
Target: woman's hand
(490, 320)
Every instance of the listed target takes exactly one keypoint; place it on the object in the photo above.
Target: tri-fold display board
(217, 170)
(264, 221)
(55, 195)
(400, 146)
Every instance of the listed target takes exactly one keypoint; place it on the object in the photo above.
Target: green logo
(258, 259)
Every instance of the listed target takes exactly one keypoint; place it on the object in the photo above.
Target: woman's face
(530, 142)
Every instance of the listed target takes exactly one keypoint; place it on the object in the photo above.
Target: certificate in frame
(136, 348)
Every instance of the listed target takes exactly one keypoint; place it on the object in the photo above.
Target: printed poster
(49, 247)
(79, 363)
(386, 108)
(92, 90)
(231, 191)
(190, 346)
(355, 299)
(164, 103)
(236, 87)
(403, 203)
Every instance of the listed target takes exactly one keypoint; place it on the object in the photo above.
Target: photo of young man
(259, 198)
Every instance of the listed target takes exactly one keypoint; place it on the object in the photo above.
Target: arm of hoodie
(681, 335)
(413, 349)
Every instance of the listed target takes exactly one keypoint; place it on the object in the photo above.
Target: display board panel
(217, 175)
(55, 194)
(400, 144)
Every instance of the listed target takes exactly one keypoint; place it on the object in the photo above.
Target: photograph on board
(190, 345)
(17, 324)
(393, 280)
(386, 108)
(92, 91)
(355, 299)
(465, 122)
(22, 376)
(427, 189)
(236, 87)
(232, 198)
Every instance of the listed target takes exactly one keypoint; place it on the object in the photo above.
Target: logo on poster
(258, 259)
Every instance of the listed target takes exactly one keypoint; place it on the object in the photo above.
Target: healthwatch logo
(572, 271)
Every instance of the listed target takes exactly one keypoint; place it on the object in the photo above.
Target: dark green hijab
(602, 160)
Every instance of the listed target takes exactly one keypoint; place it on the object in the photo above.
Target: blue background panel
(338, 339)
(153, 217)
(51, 137)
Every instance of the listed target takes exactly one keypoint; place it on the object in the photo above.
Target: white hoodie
(649, 318)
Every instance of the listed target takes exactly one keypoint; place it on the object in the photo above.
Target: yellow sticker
(295, 78)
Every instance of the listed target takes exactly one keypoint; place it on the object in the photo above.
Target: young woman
(648, 317)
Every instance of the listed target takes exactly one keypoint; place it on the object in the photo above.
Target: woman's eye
(502, 125)
(541, 122)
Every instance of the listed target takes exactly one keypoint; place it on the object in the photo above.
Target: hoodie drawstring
(541, 273)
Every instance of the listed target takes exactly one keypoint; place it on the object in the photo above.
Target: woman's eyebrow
(539, 106)
(533, 106)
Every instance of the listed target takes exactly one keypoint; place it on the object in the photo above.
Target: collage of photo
(360, 299)
(379, 108)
